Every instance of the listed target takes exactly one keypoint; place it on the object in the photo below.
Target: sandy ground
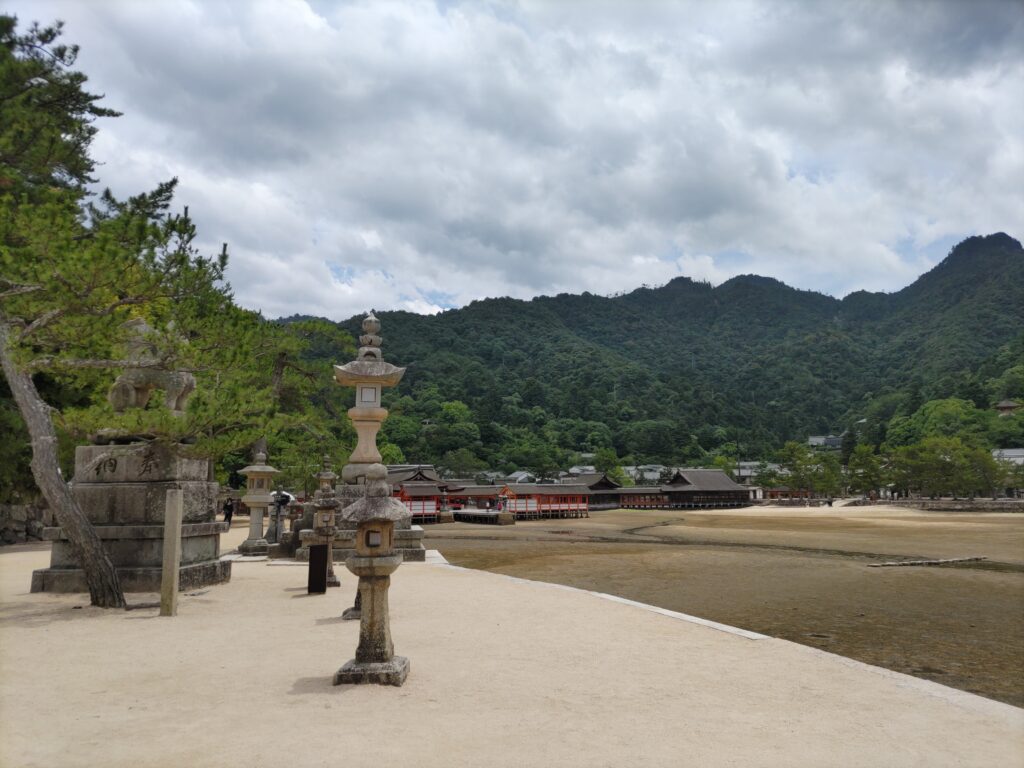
(801, 574)
(504, 673)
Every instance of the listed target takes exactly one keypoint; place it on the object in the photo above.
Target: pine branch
(18, 289)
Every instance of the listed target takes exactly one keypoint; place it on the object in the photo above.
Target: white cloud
(418, 156)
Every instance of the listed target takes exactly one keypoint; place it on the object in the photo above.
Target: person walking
(229, 510)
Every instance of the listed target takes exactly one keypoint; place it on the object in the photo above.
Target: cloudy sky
(421, 155)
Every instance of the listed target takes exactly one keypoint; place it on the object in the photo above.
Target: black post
(317, 582)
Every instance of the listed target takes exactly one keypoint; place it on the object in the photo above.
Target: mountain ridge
(752, 361)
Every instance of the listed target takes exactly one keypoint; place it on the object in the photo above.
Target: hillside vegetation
(687, 371)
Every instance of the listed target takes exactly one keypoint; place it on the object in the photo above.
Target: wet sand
(798, 574)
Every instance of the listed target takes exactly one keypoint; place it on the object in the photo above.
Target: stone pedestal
(122, 489)
(256, 544)
(375, 660)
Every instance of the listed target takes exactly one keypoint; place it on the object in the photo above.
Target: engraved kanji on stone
(108, 465)
(148, 462)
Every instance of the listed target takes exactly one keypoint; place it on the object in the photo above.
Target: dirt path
(801, 575)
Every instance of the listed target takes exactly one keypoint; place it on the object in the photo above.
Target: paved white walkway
(504, 673)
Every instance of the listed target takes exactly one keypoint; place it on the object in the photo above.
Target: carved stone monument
(122, 489)
(121, 486)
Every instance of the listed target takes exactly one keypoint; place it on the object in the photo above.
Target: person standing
(229, 510)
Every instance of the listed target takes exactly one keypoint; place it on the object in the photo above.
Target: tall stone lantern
(369, 374)
(375, 559)
(258, 497)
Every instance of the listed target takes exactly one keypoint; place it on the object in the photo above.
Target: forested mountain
(677, 372)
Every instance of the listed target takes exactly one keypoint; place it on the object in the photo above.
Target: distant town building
(644, 473)
(746, 471)
(581, 469)
(1012, 455)
(522, 476)
(825, 441)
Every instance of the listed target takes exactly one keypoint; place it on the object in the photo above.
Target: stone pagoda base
(122, 489)
(251, 547)
(391, 672)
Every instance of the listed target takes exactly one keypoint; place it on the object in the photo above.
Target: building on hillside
(747, 471)
(645, 473)
(1012, 455)
(1007, 407)
(522, 476)
(830, 442)
(582, 469)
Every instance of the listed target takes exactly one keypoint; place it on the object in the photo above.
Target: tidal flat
(801, 574)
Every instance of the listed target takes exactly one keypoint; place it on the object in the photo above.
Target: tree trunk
(100, 574)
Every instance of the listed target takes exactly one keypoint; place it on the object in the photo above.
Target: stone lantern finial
(370, 340)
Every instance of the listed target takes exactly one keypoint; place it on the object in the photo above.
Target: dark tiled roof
(591, 479)
(403, 472)
(475, 490)
(547, 489)
(702, 480)
(421, 489)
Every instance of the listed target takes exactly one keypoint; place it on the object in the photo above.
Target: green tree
(725, 463)
(986, 474)
(864, 470)
(952, 417)
(799, 462)
(767, 476)
(73, 271)
(605, 460)
(45, 130)
(461, 462)
(828, 474)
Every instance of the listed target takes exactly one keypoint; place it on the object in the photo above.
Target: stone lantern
(369, 374)
(324, 523)
(375, 559)
(257, 498)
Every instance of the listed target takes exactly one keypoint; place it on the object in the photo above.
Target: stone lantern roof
(260, 467)
(378, 504)
(369, 366)
(368, 372)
